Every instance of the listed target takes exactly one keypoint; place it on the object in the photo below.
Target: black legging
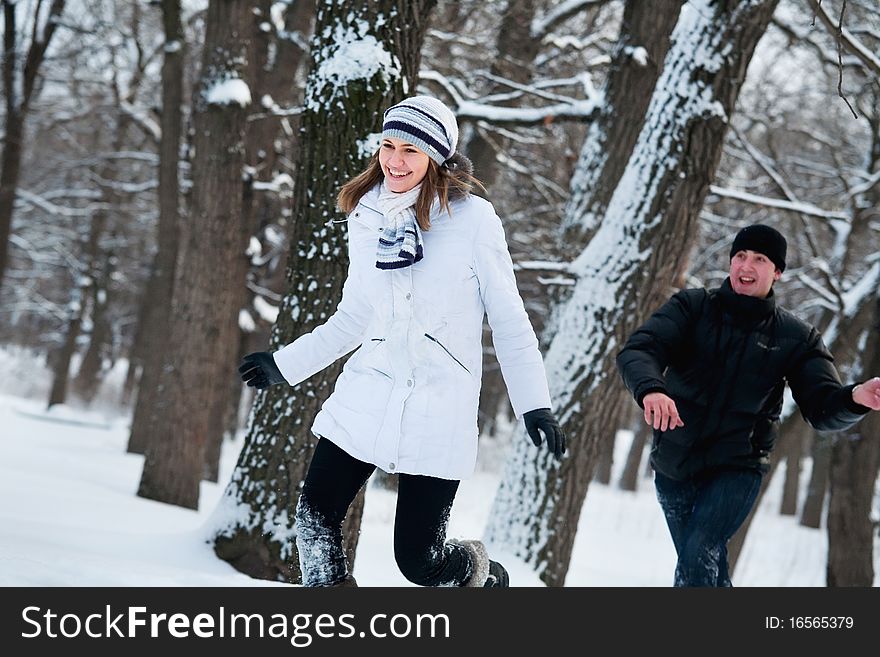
(423, 504)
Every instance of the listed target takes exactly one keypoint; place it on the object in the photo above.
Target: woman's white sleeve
(516, 346)
(343, 331)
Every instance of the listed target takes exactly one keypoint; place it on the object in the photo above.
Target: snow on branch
(122, 186)
(862, 290)
(148, 125)
(229, 91)
(544, 265)
(581, 110)
(571, 109)
(832, 301)
(764, 201)
(542, 25)
(58, 210)
(864, 187)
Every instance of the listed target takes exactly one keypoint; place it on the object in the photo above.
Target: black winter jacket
(724, 359)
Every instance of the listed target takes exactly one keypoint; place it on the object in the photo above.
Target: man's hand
(868, 393)
(660, 412)
(542, 419)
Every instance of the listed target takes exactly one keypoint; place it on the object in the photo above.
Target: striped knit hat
(424, 122)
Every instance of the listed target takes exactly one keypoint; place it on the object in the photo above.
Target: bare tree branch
(846, 38)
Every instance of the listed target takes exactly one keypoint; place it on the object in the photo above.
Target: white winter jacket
(407, 400)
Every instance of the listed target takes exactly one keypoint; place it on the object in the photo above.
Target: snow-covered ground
(70, 516)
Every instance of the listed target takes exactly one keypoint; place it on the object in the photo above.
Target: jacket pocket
(448, 353)
(370, 357)
(763, 435)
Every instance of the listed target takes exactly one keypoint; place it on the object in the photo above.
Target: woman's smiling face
(403, 164)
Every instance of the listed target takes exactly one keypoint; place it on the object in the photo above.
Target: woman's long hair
(451, 181)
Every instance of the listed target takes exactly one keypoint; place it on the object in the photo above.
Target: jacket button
(408, 296)
(357, 214)
(390, 466)
(409, 382)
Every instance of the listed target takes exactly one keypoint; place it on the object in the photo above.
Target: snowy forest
(168, 181)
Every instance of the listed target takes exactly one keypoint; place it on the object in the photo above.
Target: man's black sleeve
(649, 349)
(824, 401)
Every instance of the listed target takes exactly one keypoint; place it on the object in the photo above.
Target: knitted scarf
(400, 243)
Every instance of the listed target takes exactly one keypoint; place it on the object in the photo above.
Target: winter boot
(498, 577)
(485, 573)
(347, 582)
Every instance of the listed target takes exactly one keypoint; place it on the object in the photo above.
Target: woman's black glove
(542, 419)
(259, 370)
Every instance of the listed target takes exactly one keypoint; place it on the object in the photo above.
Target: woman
(427, 261)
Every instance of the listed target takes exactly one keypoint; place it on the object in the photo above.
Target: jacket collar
(370, 200)
(743, 308)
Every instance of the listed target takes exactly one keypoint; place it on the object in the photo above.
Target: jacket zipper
(431, 337)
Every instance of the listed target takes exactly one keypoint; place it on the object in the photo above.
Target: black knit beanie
(762, 239)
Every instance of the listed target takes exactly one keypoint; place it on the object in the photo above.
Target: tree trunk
(630, 477)
(132, 376)
(516, 50)
(19, 80)
(93, 366)
(64, 354)
(814, 502)
(203, 325)
(854, 461)
(268, 77)
(254, 520)
(85, 293)
(791, 488)
(10, 169)
(794, 432)
(606, 458)
(611, 138)
(855, 454)
(151, 341)
(626, 271)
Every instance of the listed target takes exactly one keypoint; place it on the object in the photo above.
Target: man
(709, 368)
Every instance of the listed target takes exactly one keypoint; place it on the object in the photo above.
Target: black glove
(542, 418)
(259, 370)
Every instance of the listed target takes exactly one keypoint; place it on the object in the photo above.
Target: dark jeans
(702, 515)
(423, 505)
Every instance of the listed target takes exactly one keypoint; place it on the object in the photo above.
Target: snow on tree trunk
(625, 272)
(635, 66)
(203, 324)
(365, 56)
